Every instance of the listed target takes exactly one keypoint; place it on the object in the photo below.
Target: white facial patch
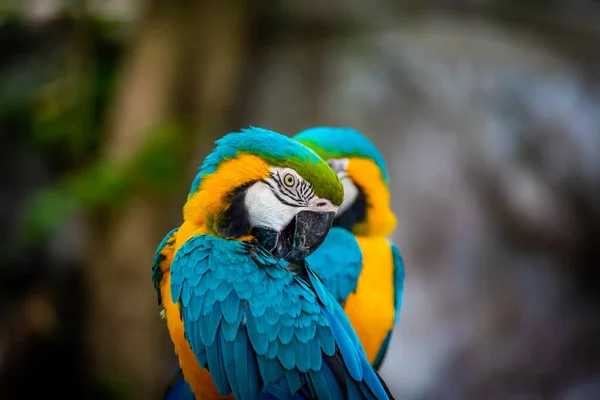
(340, 166)
(274, 203)
(350, 194)
(265, 210)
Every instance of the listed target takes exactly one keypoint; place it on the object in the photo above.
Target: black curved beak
(300, 238)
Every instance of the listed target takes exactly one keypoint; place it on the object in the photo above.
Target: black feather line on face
(306, 191)
(281, 199)
(290, 193)
(286, 190)
(355, 214)
(235, 222)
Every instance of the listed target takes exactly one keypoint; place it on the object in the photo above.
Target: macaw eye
(289, 180)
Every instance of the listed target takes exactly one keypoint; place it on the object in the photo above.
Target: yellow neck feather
(380, 220)
(211, 200)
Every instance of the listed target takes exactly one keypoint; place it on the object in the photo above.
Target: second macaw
(247, 316)
(359, 264)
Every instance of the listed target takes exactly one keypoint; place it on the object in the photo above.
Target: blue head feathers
(278, 151)
(330, 142)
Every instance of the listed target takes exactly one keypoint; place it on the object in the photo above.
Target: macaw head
(258, 184)
(362, 170)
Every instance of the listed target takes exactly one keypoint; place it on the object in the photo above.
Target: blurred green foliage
(55, 93)
(57, 87)
(157, 167)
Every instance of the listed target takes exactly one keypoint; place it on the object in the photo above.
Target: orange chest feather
(199, 379)
(371, 307)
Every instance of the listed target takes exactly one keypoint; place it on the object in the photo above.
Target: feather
(270, 370)
(326, 340)
(216, 365)
(229, 361)
(293, 380)
(209, 325)
(319, 288)
(286, 334)
(276, 391)
(303, 334)
(186, 293)
(273, 349)
(315, 355)
(374, 382)
(271, 316)
(251, 343)
(286, 356)
(159, 258)
(257, 340)
(398, 281)
(230, 330)
(342, 319)
(208, 302)
(302, 355)
(324, 386)
(349, 352)
(230, 308)
(246, 367)
(274, 332)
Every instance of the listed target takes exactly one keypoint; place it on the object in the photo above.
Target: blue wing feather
(215, 357)
(157, 273)
(277, 391)
(229, 358)
(398, 280)
(266, 325)
(338, 261)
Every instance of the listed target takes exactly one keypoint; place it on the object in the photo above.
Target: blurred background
(487, 112)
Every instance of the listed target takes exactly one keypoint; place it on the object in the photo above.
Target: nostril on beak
(321, 204)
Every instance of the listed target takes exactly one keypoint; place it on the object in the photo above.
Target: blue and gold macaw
(246, 315)
(359, 265)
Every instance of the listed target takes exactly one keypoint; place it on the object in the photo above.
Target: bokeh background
(487, 112)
